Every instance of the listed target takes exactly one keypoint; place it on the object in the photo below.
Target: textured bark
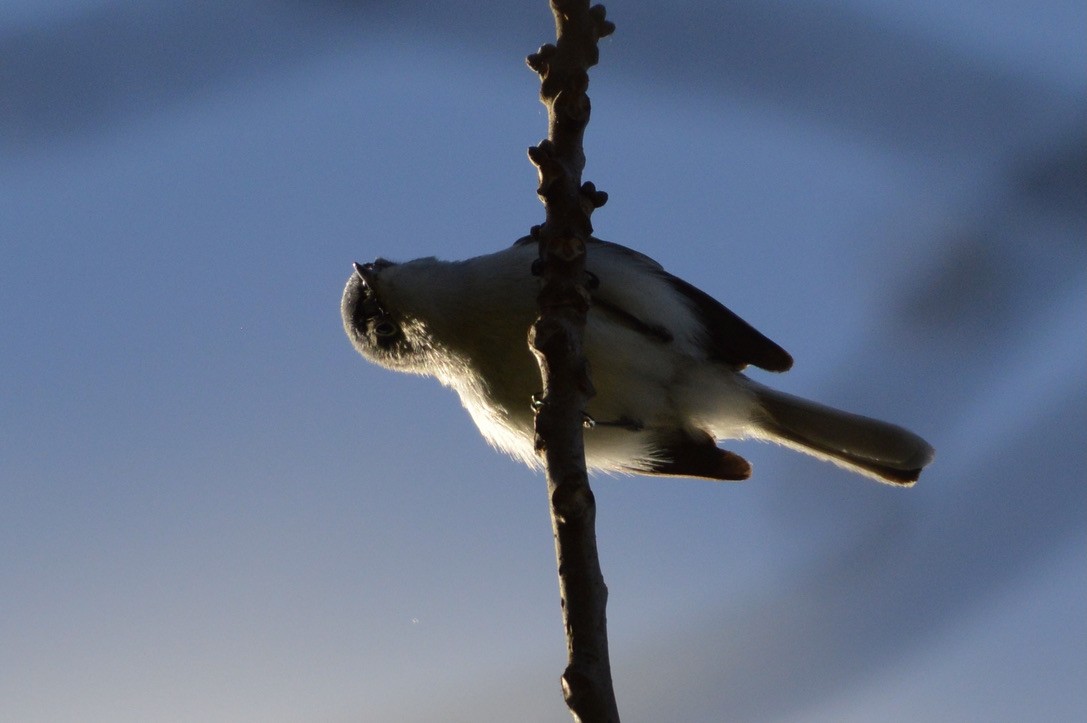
(556, 339)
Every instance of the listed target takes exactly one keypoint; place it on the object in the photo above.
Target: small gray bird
(665, 358)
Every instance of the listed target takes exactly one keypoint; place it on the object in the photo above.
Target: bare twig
(556, 339)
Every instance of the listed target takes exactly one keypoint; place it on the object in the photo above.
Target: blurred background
(211, 509)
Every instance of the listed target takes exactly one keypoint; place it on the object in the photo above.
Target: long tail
(876, 449)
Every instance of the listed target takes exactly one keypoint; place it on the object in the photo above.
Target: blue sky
(213, 509)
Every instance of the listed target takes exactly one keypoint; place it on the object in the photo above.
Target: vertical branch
(556, 340)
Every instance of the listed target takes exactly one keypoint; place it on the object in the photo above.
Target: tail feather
(880, 450)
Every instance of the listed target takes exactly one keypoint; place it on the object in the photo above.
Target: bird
(667, 362)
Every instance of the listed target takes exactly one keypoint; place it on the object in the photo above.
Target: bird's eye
(385, 328)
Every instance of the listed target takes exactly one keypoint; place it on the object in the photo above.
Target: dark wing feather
(625, 318)
(729, 339)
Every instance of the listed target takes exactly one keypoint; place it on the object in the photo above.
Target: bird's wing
(730, 339)
(727, 338)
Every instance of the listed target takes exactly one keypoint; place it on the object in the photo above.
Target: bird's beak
(365, 272)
